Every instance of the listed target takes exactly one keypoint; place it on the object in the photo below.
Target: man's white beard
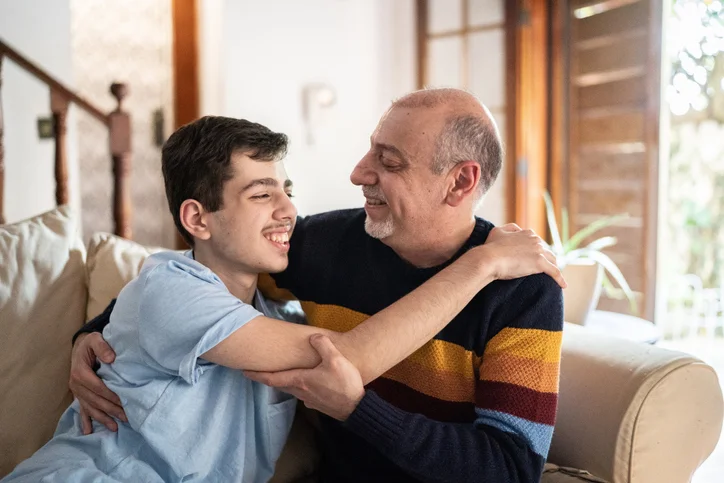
(379, 229)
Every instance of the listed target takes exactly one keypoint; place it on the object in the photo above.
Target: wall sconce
(317, 97)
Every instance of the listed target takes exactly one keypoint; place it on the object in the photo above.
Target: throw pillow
(42, 303)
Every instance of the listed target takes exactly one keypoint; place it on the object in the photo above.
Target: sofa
(628, 413)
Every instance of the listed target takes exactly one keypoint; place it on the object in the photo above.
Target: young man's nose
(286, 209)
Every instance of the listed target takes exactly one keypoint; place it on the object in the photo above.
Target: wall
(40, 30)
(127, 42)
(256, 58)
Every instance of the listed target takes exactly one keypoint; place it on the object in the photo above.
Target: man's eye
(387, 163)
(260, 197)
(291, 195)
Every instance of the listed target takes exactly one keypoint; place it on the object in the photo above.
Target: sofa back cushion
(112, 263)
(42, 303)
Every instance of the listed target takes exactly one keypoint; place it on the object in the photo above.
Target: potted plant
(585, 267)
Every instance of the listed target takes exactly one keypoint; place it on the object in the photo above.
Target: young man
(187, 326)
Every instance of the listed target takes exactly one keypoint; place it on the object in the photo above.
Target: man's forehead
(407, 129)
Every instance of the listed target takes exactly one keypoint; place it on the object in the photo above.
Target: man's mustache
(373, 192)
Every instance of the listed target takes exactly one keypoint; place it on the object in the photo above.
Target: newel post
(119, 123)
(59, 108)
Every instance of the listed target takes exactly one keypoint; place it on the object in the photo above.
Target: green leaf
(601, 243)
(564, 225)
(553, 224)
(592, 228)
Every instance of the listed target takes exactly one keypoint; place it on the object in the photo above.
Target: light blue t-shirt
(189, 420)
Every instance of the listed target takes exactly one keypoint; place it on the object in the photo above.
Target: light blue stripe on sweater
(537, 435)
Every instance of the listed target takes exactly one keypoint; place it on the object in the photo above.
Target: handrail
(118, 123)
(33, 69)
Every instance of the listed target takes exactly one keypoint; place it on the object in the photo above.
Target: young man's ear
(464, 179)
(193, 218)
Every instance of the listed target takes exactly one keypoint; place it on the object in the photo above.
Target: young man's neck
(242, 285)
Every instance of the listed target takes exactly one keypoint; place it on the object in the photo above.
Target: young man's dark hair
(196, 160)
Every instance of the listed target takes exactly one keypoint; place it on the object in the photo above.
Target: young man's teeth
(279, 237)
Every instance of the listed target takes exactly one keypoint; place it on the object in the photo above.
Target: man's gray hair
(470, 138)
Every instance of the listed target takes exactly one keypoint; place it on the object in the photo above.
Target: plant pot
(584, 289)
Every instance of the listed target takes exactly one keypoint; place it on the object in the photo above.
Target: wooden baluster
(120, 139)
(2, 149)
(59, 108)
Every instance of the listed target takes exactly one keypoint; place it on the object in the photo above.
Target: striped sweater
(475, 404)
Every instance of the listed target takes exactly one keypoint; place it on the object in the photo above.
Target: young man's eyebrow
(288, 183)
(260, 182)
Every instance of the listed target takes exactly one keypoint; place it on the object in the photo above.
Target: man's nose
(363, 173)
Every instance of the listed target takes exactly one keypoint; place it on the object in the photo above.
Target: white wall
(257, 56)
(40, 30)
(270, 50)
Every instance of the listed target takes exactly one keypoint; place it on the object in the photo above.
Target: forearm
(388, 337)
(434, 451)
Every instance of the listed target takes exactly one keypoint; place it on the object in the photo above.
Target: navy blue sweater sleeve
(98, 323)
(434, 451)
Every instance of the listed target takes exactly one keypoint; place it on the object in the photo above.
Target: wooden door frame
(186, 91)
(528, 148)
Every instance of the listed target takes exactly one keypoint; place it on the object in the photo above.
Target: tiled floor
(710, 351)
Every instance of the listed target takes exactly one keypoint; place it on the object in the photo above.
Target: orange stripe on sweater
(444, 385)
(529, 373)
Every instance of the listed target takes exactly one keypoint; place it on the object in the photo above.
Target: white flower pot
(584, 289)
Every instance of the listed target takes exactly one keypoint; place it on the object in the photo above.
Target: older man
(476, 403)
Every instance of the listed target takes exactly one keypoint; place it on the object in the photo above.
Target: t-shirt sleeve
(184, 312)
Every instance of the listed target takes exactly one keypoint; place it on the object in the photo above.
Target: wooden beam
(652, 135)
(558, 134)
(185, 69)
(529, 23)
(2, 149)
(422, 51)
(185, 62)
(512, 11)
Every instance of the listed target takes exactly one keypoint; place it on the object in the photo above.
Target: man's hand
(96, 400)
(334, 387)
(517, 253)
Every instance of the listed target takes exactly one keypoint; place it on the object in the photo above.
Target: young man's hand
(334, 387)
(516, 253)
(96, 400)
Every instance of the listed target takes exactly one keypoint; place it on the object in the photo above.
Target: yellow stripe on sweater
(542, 345)
(436, 355)
(270, 290)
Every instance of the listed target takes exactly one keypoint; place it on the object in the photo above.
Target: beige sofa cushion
(558, 474)
(112, 263)
(42, 303)
(634, 413)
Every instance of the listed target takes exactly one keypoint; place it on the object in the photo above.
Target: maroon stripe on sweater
(407, 399)
(539, 407)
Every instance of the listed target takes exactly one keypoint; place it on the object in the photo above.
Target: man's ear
(464, 178)
(193, 218)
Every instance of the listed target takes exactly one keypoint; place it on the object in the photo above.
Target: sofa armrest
(634, 413)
